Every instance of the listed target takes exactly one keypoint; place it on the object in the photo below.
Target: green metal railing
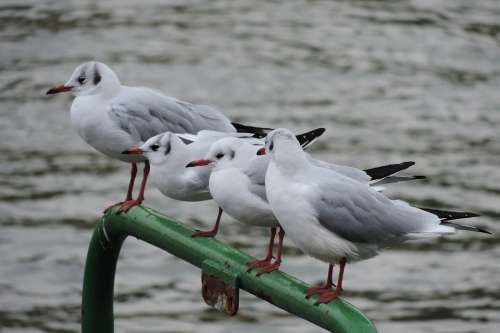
(215, 258)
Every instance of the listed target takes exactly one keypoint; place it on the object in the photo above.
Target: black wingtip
(258, 132)
(387, 170)
(305, 139)
(320, 130)
(446, 215)
(467, 227)
(485, 231)
(313, 134)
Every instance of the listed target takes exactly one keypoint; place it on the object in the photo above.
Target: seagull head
(89, 78)
(225, 153)
(157, 149)
(281, 144)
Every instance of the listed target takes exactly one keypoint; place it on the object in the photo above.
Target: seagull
(237, 184)
(112, 117)
(168, 153)
(337, 219)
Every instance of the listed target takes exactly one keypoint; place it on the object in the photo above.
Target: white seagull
(336, 219)
(237, 184)
(169, 153)
(112, 117)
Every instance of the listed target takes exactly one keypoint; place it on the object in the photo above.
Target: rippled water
(391, 80)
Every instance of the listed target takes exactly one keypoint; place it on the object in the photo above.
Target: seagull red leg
(326, 287)
(276, 265)
(133, 174)
(140, 198)
(267, 260)
(145, 176)
(329, 295)
(209, 233)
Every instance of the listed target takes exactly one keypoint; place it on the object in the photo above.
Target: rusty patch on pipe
(219, 294)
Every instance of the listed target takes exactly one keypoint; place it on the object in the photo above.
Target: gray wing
(144, 113)
(359, 214)
(347, 171)
(207, 118)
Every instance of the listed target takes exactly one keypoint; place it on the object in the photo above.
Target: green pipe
(213, 256)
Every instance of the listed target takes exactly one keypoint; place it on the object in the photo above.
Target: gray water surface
(390, 80)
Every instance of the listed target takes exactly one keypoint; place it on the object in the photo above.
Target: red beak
(198, 163)
(261, 151)
(133, 150)
(59, 89)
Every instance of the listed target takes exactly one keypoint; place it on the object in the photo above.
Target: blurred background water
(390, 80)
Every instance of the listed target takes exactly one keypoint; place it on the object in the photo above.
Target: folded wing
(144, 113)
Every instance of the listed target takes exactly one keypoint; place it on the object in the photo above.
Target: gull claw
(268, 268)
(257, 263)
(201, 233)
(327, 297)
(318, 290)
(125, 206)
